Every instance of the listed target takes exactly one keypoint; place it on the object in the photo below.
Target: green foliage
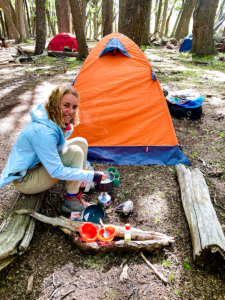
(194, 154)
(166, 263)
(176, 292)
(185, 264)
(170, 278)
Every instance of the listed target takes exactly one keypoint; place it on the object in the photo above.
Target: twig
(154, 269)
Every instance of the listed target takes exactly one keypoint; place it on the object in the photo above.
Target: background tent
(62, 40)
(187, 43)
(123, 112)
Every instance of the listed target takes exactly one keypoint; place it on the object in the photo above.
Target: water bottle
(127, 233)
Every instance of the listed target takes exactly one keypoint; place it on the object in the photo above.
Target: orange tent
(123, 112)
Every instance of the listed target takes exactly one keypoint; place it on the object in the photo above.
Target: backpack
(186, 104)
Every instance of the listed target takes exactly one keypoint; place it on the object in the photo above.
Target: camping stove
(105, 186)
(104, 199)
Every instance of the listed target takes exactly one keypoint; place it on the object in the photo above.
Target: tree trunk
(168, 19)
(220, 12)
(207, 236)
(107, 27)
(3, 25)
(14, 14)
(50, 22)
(5, 5)
(158, 17)
(95, 4)
(77, 22)
(185, 19)
(63, 16)
(204, 15)
(177, 20)
(164, 18)
(28, 16)
(122, 11)
(135, 17)
(146, 34)
(26, 26)
(40, 27)
(22, 29)
(83, 11)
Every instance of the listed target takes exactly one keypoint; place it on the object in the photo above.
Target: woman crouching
(41, 155)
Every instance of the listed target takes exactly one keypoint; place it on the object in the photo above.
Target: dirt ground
(60, 270)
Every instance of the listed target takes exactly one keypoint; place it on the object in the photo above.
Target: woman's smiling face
(69, 106)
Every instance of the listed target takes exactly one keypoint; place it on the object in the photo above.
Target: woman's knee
(71, 155)
(80, 141)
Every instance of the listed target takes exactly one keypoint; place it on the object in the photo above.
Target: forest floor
(51, 257)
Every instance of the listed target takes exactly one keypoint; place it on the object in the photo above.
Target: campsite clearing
(51, 258)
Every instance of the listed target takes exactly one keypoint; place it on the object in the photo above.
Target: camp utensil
(106, 234)
(105, 186)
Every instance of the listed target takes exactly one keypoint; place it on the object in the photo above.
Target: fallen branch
(154, 269)
(62, 53)
(136, 234)
(98, 247)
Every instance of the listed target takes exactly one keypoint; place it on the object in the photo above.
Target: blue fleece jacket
(41, 141)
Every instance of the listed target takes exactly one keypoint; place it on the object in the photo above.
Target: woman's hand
(99, 176)
(103, 177)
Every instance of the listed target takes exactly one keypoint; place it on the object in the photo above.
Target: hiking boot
(75, 203)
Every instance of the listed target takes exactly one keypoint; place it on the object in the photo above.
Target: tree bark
(168, 19)
(204, 15)
(63, 16)
(206, 233)
(135, 17)
(185, 19)
(5, 5)
(40, 27)
(158, 15)
(108, 20)
(21, 21)
(145, 38)
(3, 25)
(164, 18)
(122, 11)
(77, 22)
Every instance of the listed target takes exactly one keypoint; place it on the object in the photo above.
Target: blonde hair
(53, 107)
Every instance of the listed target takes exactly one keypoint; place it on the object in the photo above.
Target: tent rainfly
(123, 112)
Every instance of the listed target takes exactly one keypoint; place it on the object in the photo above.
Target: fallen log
(136, 234)
(62, 53)
(17, 231)
(207, 236)
(153, 246)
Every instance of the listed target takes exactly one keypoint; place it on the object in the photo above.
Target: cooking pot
(108, 185)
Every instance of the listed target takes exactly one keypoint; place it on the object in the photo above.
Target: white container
(127, 234)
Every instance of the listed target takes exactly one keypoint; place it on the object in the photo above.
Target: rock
(169, 46)
(173, 41)
(164, 42)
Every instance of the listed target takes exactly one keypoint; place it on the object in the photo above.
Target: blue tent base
(137, 155)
